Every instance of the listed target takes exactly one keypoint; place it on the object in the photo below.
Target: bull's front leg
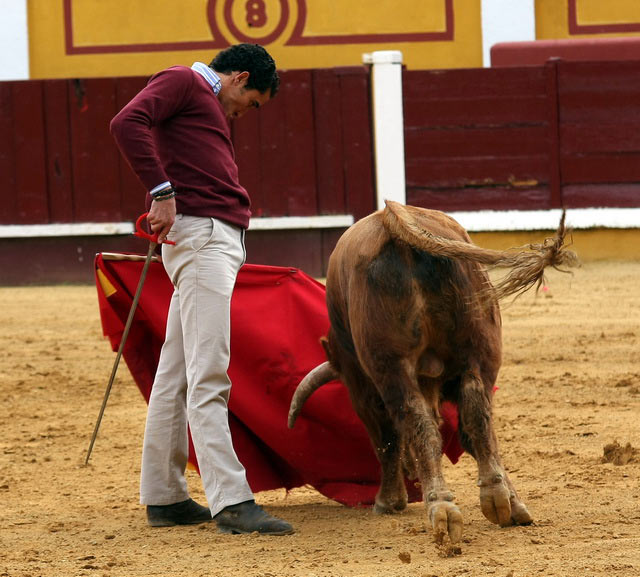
(499, 500)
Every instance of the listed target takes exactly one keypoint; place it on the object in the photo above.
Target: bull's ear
(327, 348)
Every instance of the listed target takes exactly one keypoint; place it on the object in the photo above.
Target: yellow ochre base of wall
(589, 244)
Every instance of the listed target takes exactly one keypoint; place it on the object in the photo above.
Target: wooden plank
(609, 106)
(424, 85)
(293, 248)
(599, 137)
(488, 110)
(623, 195)
(58, 147)
(95, 160)
(273, 151)
(553, 126)
(328, 123)
(460, 142)
(247, 143)
(32, 203)
(482, 198)
(601, 168)
(580, 77)
(357, 141)
(513, 171)
(298, 182)
(8, 206)
(131, 191)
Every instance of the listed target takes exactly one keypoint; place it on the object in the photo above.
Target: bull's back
(378, 285)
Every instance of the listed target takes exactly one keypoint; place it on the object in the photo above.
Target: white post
(14, 40)
(388, 125)
(506, 21)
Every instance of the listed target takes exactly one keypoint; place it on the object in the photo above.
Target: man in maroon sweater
(175, 135)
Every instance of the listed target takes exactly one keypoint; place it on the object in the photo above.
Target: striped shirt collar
(209, 75)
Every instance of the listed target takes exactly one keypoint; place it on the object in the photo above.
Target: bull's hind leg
(499, 500)
(418, 426)
(369, 406)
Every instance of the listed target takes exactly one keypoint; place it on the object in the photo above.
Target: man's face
(236, 99)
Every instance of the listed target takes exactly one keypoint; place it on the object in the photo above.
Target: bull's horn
(314, 379)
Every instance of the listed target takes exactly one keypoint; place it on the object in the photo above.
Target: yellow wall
(552, 18)
(82, 38)
(590, 244)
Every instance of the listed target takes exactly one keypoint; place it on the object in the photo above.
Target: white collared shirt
(209, 75)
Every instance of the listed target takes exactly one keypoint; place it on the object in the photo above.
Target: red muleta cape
(277, 318)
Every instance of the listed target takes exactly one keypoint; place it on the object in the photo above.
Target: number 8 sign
(254, 21)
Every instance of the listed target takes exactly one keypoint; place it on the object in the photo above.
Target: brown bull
(415, 321)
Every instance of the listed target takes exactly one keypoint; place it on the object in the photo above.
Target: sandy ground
(567, 414)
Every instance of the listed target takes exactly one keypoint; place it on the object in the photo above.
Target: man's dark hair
(252, 58)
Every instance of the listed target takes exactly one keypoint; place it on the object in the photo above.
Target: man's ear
(242, 78)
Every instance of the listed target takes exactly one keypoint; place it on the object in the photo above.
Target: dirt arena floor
(568, 419)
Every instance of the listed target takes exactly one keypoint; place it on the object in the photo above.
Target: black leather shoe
(248, 517)
(184, 513)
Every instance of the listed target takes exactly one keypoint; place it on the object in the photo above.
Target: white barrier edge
(523, 220)
(115, 228)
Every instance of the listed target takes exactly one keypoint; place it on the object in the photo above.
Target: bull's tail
(527, 263)
(315, 378)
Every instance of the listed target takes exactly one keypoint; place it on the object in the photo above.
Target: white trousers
(191, 386)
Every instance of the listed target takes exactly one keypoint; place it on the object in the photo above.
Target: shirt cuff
(160, 187)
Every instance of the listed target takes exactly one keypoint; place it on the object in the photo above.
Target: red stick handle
(143, 234)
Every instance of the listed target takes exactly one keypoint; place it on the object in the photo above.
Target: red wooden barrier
(538, 52)
(477, 138)
(599, 106)
(308, 152)
(565, 134)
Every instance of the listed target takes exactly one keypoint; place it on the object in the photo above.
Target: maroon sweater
(175, 129)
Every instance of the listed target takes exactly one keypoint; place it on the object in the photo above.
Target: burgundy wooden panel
(466, 142)
(132, 192)
(273, 158)
(58, 141)
(598, 137)
(538, 52)
(479, 198)
(518, 172)
(598, 168)
(299, 180)
(301, 174)
(588, 195)
(247, 143)
(485, 129)
(30, 190)
(288, 161)
(95, 160)
(357, 140)
(7, 155)
(528, 109)
(600, 105)
(555, 176)
(578, 77)
(421, 85)
(600, 118)
(328, 142)
(297, 248)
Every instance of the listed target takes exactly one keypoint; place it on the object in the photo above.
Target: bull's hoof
(389, 507)
(446, 520)
(519, 512)
(501, 505)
